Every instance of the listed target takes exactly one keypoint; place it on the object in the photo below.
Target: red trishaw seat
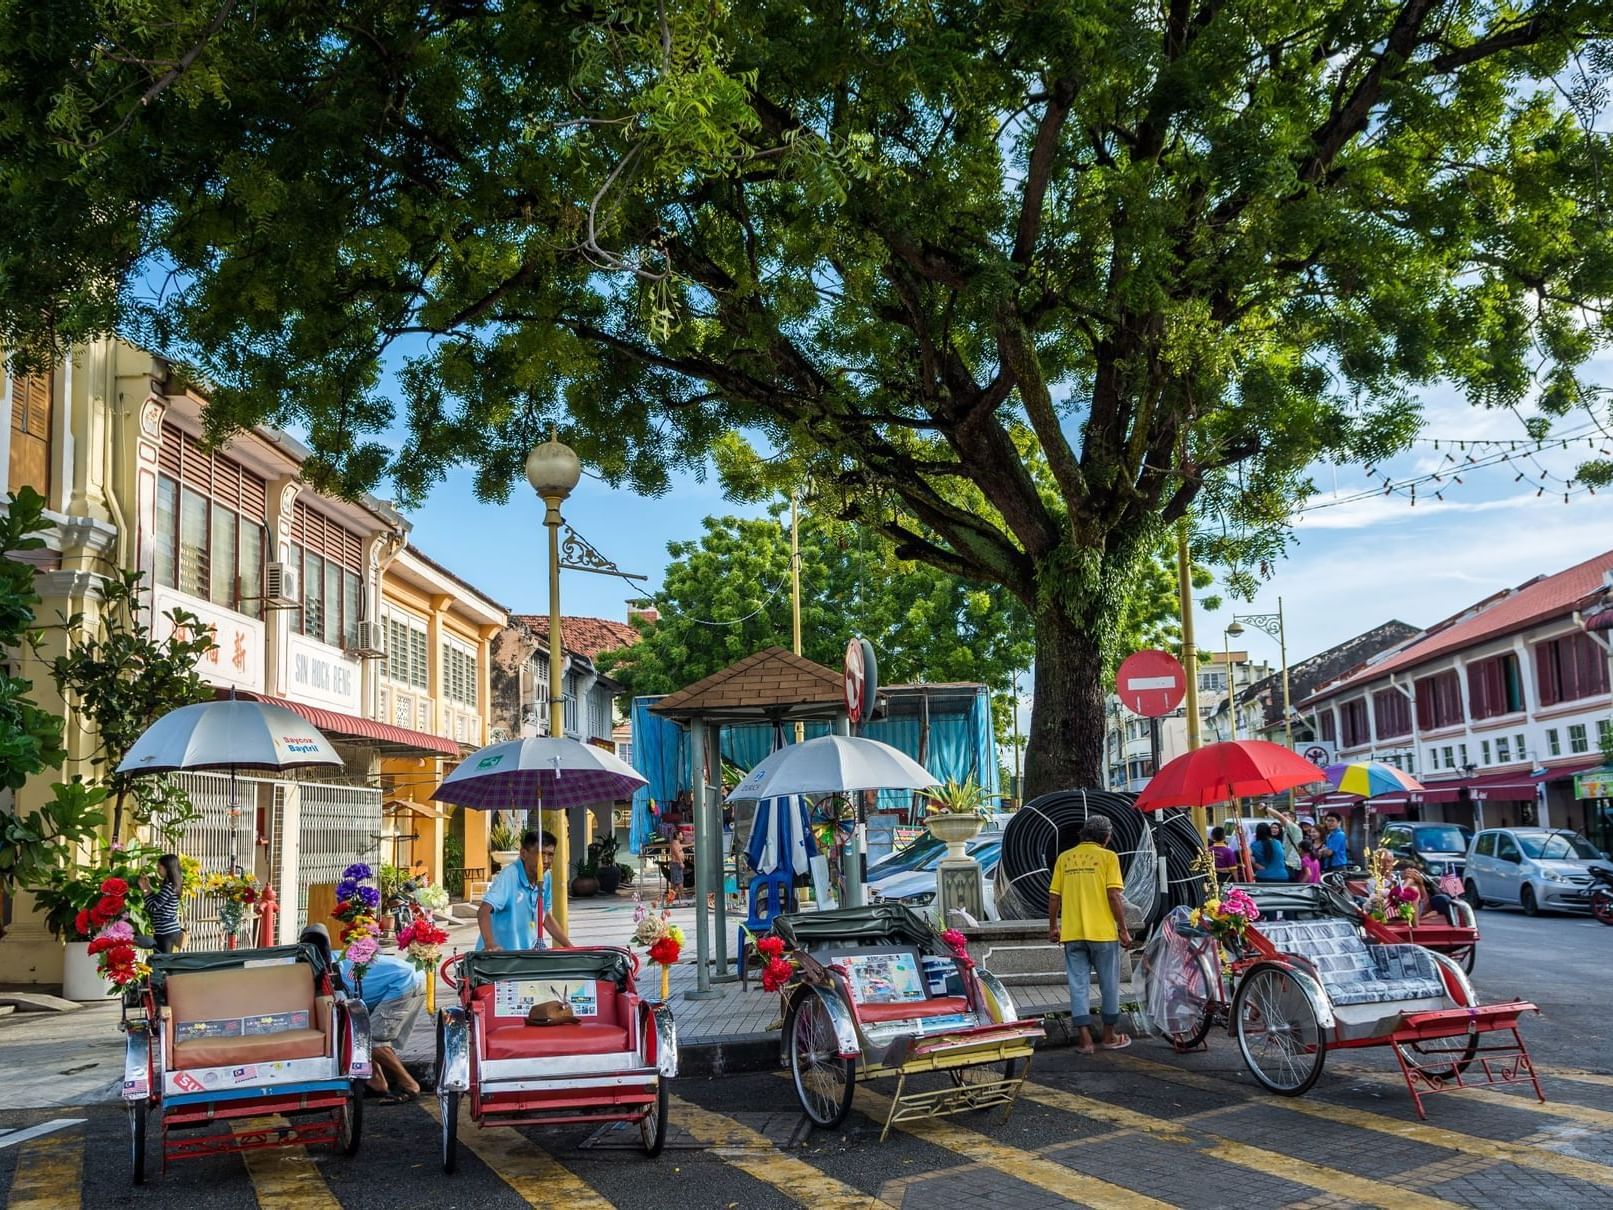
(554, 1041)
(936, 1006)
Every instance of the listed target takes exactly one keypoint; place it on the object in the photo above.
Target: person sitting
(1226, 861)
(1430, 899)
(1271, 863)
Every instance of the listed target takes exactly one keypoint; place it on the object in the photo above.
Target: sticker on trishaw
(191, 1031)
(514, 997)
(281, 1071)
(275, 1023)
(243, 1075)
(270, 961)
(884, 978)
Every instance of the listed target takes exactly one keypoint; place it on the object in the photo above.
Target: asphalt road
(1142, 1128)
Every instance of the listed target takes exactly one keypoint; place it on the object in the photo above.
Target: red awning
(1499, 787)
(1602, 619)
(349, 726)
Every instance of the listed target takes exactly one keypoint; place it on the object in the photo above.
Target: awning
(406, 806)
(393, 741)
(1499, 787)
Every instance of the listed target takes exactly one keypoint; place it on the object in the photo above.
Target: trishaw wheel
(984, 1073)
(652, 1126)
(448, 1103)
(1278, 1031)
(1439, 1062)
(823, 1080)
(137, 1140)
(1470, 959)
(350, 1126)
(1206, 989)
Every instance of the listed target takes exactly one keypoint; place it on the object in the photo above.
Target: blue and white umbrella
(780, 837)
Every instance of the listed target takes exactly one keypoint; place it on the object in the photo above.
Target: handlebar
(451, 980)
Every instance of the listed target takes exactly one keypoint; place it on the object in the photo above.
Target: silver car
(1535, 868)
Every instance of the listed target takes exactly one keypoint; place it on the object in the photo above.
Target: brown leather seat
(245, 992)
(553, 1041)
(936, 1006)
(234, 1052)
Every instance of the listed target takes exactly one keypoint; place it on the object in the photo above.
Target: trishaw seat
(233, 1052)
(555, 1041)
(229, 1016)
(1353, 972)
(937, 1006)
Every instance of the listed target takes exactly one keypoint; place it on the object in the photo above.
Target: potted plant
(81, 904)
(602, 852)
(955, 815)
(395, 885)
(586, 883)
(503, 843)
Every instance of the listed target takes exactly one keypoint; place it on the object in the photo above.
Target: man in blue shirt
(508, 917)
(1335, 852)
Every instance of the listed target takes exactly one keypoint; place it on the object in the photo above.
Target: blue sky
(1351, 567)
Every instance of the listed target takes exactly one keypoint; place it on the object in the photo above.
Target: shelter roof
(772, 683)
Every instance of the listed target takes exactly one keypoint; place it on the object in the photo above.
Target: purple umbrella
(540, 771)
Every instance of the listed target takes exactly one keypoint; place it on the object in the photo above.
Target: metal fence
(216, 838)
(339, 825)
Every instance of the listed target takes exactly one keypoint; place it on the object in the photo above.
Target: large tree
(1017, 284)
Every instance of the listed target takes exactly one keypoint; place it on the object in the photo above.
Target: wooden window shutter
(318, 534)
(30, 433)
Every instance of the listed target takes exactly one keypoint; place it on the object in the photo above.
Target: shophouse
(1495, 710)
(436, 633)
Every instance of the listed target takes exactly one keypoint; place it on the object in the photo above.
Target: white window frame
(411, 629)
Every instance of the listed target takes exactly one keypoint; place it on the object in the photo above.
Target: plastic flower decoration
(660, 937)
(234, 892)
(959, 945)
(777, 974)
(420, 943)
(117, 960)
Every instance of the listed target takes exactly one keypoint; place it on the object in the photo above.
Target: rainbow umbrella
(1369, 778)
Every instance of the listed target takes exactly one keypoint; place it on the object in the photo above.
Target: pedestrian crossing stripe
(1540, 1159)
(284, 1177)
(790, 1176)
(529, 1170)
(1023, 1166)
(50, 1173)
(1241, 1155)
(12, 1138)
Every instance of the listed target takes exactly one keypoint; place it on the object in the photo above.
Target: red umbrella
(1236, 769)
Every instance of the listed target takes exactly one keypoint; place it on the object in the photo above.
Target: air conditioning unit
(280, 587)
(370, 642)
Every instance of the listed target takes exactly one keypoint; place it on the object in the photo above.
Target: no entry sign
(1151, 683)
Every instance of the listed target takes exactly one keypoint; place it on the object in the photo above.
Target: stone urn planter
(505, 857)
(80, 980)
(954, 831)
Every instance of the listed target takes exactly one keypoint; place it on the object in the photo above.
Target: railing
(216, 838)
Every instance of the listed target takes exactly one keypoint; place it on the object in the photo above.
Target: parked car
(1534, 868)
(1434, 848)
(917, 888)
(909, 857)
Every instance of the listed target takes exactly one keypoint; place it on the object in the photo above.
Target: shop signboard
(236, 656)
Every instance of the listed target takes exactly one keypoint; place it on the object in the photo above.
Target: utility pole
(1190, 653)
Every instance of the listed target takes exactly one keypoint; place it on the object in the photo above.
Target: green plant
(70, 891)
(956, 798)
(453, 863)
(625, 873)
(1604, 740)
(391, 879)
(119, 679)
(503, 837)
(602, 850)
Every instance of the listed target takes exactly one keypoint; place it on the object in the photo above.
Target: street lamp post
(1272, 625)
(553, 470)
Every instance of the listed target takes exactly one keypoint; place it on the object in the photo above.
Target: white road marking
(34, 1132)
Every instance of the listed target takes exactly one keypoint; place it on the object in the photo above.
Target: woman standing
(1271, 863)
(162, 906)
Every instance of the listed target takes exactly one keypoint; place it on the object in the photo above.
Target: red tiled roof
(1512, 610)
(589, 637)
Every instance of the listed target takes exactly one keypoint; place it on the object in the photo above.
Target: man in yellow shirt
(1086, 913)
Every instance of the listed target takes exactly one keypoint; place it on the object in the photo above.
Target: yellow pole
(1288, 716)
(556, 820)
(1190, 655)
(795, 592)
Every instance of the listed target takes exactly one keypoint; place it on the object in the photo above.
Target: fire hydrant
(268, 909)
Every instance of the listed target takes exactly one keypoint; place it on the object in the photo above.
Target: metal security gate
(215, 838)
(338, 825)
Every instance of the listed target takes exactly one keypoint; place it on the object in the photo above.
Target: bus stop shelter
(772, 686)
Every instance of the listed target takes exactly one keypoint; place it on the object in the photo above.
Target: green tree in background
(1018, 285)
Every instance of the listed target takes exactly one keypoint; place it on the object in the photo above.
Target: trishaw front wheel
(984, 1073)
(1279, 1032)
(448, 1104)
(137, 1140)
(350, 1121)
(652, 1126)
(1440, 1062)
(824, 1081)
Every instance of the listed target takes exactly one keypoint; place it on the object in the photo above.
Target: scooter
(1602, 894)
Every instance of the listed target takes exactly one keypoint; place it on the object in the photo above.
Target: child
(674, 869)
(1226, 861)
(1310, 868)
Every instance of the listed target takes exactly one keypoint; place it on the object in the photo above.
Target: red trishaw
(611, 1064)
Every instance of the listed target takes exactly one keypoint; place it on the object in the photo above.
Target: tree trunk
(1065, 748)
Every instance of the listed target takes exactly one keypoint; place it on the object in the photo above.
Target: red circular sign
(1151, 683)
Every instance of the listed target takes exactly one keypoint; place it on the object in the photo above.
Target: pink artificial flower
(119, 930)
(362, 952)
(405, 936)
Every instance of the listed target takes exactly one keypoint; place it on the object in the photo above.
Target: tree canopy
(1017, 284)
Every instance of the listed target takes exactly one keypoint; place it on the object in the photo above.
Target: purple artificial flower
(358, 870)
(362, 952)
(345, 888)
(368, 896)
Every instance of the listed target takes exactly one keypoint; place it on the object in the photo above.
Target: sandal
(397, 1098)
(1120, 1043)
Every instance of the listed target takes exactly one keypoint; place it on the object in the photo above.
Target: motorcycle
(1602, 893)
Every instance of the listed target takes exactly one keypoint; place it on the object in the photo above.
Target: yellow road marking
(539, 1178)
(1420, 1132)
(1579, 1077)
(1528, 1103)
(1327, 1180)
(1021, 1165)
(50, 1171)
(284, 1178)
(790, 1176)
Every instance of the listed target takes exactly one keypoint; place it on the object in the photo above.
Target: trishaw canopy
(487, 967)
(163, 965)
(874, 924)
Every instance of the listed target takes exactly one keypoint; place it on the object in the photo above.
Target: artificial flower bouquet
(235, 891)
(356, 907)
(1226, 918)
(117, 959)
(778, 972)
(661, 939)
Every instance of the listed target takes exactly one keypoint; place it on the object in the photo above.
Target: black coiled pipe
(1044, 827)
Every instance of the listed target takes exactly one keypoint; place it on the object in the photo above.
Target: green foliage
(503, 837)
(1017, 285)
(118, 679)
(956, 798)
(70, 890)
(453, 863)
(34, 844)
(390, 879)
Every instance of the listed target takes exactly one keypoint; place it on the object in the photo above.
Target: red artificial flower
(248, 895)
(770, 947)
(340, 910)
(114, 886)
(82, 923)
(665, 951)
(100, 944)
(121, 954)
(426, 933)
(777, 973)
(110, 907)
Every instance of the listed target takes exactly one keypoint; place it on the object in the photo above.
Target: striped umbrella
(539, 771)
(1369, 778)
(781, 837)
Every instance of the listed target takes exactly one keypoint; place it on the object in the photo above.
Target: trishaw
(863, 1004)
(1316, 974)
(237, 1034)
(1456, 934)
(612, 1064)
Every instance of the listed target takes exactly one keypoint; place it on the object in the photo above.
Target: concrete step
(38, 1002)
